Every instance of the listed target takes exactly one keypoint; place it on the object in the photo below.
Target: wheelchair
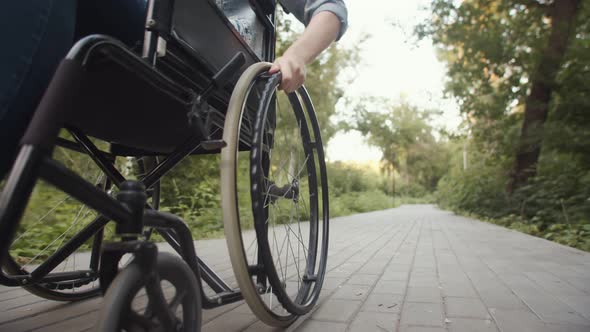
(174, 94)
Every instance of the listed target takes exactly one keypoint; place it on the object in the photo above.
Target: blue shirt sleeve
(304, 10)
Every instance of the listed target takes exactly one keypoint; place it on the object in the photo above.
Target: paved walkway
(415, 268)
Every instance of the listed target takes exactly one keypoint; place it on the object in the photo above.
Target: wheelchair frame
(34, 162)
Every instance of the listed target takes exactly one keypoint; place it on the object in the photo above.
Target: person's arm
(322, 30)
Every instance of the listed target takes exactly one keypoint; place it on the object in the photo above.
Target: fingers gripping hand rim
(293, 73)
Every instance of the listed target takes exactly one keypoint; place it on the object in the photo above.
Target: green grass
(358, 202)
(426, 199)
(576, 235)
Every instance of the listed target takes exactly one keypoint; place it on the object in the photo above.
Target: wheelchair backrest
(212, 31)
(198, 38)
(216, 34)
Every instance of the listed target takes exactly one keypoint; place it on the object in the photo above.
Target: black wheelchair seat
(116, 105)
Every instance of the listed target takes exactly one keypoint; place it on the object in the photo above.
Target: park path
(414, 268)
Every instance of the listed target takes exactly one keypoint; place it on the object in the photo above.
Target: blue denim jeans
(35, 36)
(122, 19)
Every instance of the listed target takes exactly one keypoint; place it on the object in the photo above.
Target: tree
(406, 139)
(504, 57)
(519, 70)
(563, 18)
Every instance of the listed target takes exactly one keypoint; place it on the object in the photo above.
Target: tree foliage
(498, 52)
(403, 134)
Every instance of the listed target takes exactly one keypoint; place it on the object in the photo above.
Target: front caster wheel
(131, 302)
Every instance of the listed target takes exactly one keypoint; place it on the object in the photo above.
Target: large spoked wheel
(274, 197)
(130, 303)
(55, 223)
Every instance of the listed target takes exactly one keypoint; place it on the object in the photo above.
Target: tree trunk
(392, 183)
(563, 15)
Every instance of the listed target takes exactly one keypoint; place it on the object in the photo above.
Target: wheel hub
(288, 191)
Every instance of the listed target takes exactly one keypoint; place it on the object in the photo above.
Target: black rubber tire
(230, 205)
(116, 308)
(236, 117)
(309, 142)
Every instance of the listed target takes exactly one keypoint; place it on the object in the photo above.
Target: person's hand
(321, 31)
(292, 68)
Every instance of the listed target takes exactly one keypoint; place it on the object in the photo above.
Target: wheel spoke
(148, 312)
(40, 220)
(60, 237)
(157, 299)
(176, 301)
(136, 322)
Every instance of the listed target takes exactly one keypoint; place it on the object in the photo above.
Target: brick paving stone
(580, 282)
(397, 266)
(340, 273)
(354, 292)
(387, 303)
(394, 275)
(456, 276)
(517, 320)
(336, 310)
(315, 326)
(373, 268)
(62, 312)
(230, 322)
(471, 325)
(424, 271)
(390, 287)
(80, 323)
(242, 308)
(421, 329)
(581, 304)
(566, 328)
(465, 307)
(552, 284)
(423, 281)
(347, 266)
(373, 321)
(210, 314)
(429, 314)
(458, 289)
(261, 327)
(548, 308)
(363, 279)
(424, 294)
(501, 299)
(332, 283)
